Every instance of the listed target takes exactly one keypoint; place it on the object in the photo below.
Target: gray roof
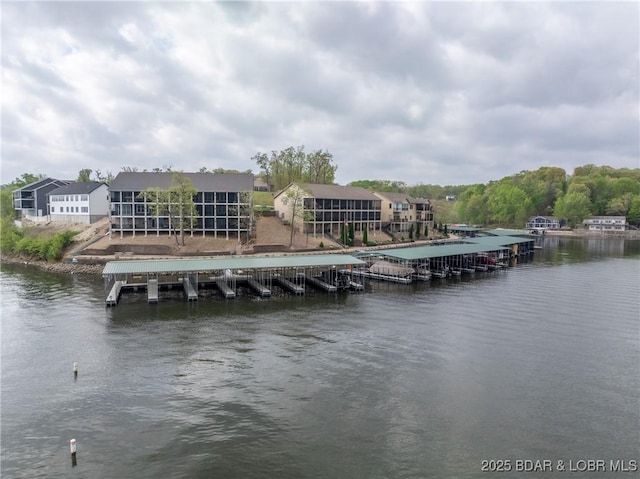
(217, 264)
(339, 192)
(139, 181)
(401, 197)
(41, 184)
(77, 188)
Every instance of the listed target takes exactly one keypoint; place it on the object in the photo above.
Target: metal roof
(213, 264)
(498, 240)
(503, 232)
(463, 228)
(434, 251)
(138, 181)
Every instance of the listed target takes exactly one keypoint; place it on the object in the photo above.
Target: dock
(114, 294)
(285, 283)
(328, 271)
(259, 288)
(225, 289)
(189, 291)
(318, 283)
(152, 291)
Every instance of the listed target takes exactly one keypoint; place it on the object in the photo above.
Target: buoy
(75, 370)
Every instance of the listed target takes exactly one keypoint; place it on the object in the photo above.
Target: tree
(294, 200)
(426, 230)
(104, 178)
(352, 234)
(411, 231)
(176, 203)
(84, 176)
(319, 168)
(365, 235)
(292, 165)
(508, 204)
(575, 206)
(633, 215)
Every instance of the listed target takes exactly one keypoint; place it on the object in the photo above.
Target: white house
(606, 223)
(79, 202)
(543, 223)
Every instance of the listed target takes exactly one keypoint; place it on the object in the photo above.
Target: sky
(448, 93)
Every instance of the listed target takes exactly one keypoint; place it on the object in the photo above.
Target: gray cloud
(447, 93)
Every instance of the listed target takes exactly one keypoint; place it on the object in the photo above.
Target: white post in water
(72, 448)
(75, 370)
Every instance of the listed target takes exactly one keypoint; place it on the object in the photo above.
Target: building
(79, 202)
(224, 204)
(606, 223)
(31, 199)
(326, 208)
(543, 223)
(400, 211)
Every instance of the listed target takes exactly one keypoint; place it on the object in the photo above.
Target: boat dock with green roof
(330, 272)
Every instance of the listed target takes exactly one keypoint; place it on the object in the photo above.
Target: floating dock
(114, 294)
(189, 291)
(152, 291)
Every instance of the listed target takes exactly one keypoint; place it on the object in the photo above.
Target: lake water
(539, 362)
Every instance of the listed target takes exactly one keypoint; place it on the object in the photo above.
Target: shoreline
(94, 265)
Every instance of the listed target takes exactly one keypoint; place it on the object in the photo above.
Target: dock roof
(213, 264)
(435, 251)
(498, 240)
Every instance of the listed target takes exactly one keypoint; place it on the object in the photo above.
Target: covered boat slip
(481, 253)
(327, 272)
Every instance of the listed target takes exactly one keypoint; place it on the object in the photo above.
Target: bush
(321, 244)
(41, 247)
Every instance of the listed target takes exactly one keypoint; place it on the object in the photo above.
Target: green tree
(365, 235)
(411, 231)
(633, 215)
(176, 203)
(508, 205)
(84, 175)
(575, 206)
(319, 168)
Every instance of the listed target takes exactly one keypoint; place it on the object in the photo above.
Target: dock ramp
(224, 288)
(285, 283)
(261, 289)
(318, 283)
(114, 294)
(189, 291)
(152, 291)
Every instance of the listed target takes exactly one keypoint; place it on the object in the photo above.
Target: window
(115, 196)
(77, 208)
(140, 209)
(221, 197)
(76, 197)
(84, 209)
(84, 198)
(67, 209)
(53, 209)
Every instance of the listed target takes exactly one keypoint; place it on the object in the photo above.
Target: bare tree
(176, 203)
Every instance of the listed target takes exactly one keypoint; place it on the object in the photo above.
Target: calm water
(539, 362)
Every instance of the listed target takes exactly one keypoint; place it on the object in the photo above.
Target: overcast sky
(420, 92)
